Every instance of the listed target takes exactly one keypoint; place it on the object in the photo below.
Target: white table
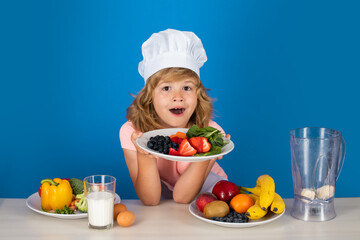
(173, 221)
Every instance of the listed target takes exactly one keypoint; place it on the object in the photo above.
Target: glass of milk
(100, 193)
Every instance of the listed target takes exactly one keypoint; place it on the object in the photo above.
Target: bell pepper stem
(50, 181)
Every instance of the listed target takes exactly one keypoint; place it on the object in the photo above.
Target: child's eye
(166, 88)
(187, 88)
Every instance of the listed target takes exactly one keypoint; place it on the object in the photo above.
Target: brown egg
(118, 207)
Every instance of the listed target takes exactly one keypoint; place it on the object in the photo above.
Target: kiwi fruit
(216, 208)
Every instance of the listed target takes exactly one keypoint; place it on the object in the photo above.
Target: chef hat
(171, 48)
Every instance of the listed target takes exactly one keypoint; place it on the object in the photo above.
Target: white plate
(252, 223)
(34, 203)
(142, 143)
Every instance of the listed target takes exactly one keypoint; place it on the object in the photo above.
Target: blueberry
(150, 145)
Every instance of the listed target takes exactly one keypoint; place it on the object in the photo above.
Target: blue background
(67, 68)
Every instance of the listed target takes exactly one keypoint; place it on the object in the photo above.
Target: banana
(253, 197)
(278, 205)
(255, 190)
(267, 193)
(255, 211)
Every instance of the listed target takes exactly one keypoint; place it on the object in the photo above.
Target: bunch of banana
(255, 211)
(264, 196)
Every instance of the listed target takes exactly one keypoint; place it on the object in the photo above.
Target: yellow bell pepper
(55, 194)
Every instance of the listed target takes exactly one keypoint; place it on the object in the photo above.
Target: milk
(100, 209)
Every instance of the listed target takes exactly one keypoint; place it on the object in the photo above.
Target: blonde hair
(142, 112)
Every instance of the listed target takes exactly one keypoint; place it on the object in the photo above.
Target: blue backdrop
(67, 68)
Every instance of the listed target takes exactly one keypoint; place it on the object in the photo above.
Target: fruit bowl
(252, 223)
(142, 143)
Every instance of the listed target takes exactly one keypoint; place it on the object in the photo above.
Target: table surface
(169, 220)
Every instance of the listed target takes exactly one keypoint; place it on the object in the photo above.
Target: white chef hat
(171, 48)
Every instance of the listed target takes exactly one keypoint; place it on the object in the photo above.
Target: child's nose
(177, 97)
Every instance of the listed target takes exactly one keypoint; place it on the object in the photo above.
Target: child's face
(175, 102)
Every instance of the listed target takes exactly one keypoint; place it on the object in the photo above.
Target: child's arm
(144, 173)
(192, 180)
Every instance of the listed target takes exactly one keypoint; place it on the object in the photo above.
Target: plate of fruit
(186, 145)
(229, 205)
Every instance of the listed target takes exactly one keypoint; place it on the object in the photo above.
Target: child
(173, 97)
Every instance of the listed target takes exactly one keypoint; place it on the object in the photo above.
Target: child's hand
(135, 136)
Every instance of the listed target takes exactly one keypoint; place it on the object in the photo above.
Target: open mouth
(177, 111)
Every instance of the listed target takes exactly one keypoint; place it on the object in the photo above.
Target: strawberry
(173, 152)
(201, 144)
(176, 139)
(185, 149)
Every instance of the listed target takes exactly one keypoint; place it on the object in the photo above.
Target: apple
(203, 199)
(225, 190)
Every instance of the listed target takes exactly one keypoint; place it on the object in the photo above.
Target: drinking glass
(100, 194)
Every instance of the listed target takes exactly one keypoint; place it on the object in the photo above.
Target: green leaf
(213, 151)
(213, 135)
(193, 131)
(65, 210)
(217, 140)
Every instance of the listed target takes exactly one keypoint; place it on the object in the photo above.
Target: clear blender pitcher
(317, 157)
